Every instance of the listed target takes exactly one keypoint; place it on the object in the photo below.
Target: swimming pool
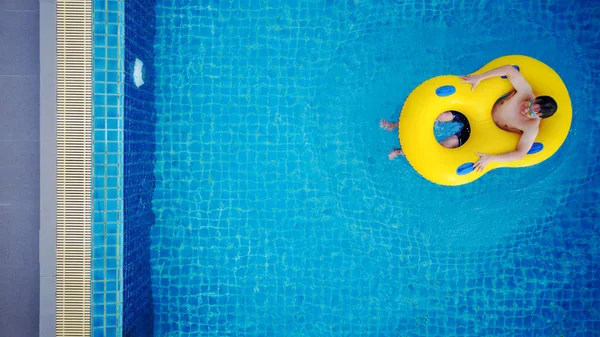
(277, 212)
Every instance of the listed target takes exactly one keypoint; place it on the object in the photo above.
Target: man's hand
(483, 161)
(514, 76)
(473, 79)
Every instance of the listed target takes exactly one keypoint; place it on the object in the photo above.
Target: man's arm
(524, 145)
(514, 76)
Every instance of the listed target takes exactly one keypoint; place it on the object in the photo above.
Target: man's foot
(388, 125)
(395, 153)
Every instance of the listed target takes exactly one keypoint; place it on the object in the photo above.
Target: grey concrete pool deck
(27, 167)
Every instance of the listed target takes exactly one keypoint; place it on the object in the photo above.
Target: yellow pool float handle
(449, 93)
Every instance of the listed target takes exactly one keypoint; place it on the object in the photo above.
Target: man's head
(541, 107)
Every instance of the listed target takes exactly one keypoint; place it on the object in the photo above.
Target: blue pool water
(279, 214)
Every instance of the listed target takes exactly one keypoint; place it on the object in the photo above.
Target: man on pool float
(519, 112)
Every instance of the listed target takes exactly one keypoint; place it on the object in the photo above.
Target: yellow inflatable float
(446, 166)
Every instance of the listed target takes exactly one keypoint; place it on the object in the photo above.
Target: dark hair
(547, 105)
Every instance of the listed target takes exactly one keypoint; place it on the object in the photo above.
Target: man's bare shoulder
(521, 96)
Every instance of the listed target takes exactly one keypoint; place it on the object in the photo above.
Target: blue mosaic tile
(112, 77)
(99, 16)
(99, 40)
(113, 29)
(113, 41)
(99, 99)
(111, 320)
(99, 76)
(100, 29)
(112, 89)
(112, 124)
(98, 332)
(113, 6)
(114, 17)
(100, 5)
(99, 88)
(106, 160)
(112, 53)
(112, 100)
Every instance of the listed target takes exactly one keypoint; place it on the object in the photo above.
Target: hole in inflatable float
(452, 129)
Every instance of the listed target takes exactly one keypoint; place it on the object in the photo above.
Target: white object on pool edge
(138, 74)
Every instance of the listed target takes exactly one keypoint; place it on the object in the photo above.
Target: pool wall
(123, 180)
(138, 157)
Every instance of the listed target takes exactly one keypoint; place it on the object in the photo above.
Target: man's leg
(388, 125)
(446, 116)
(450, 142)
(395, 153)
